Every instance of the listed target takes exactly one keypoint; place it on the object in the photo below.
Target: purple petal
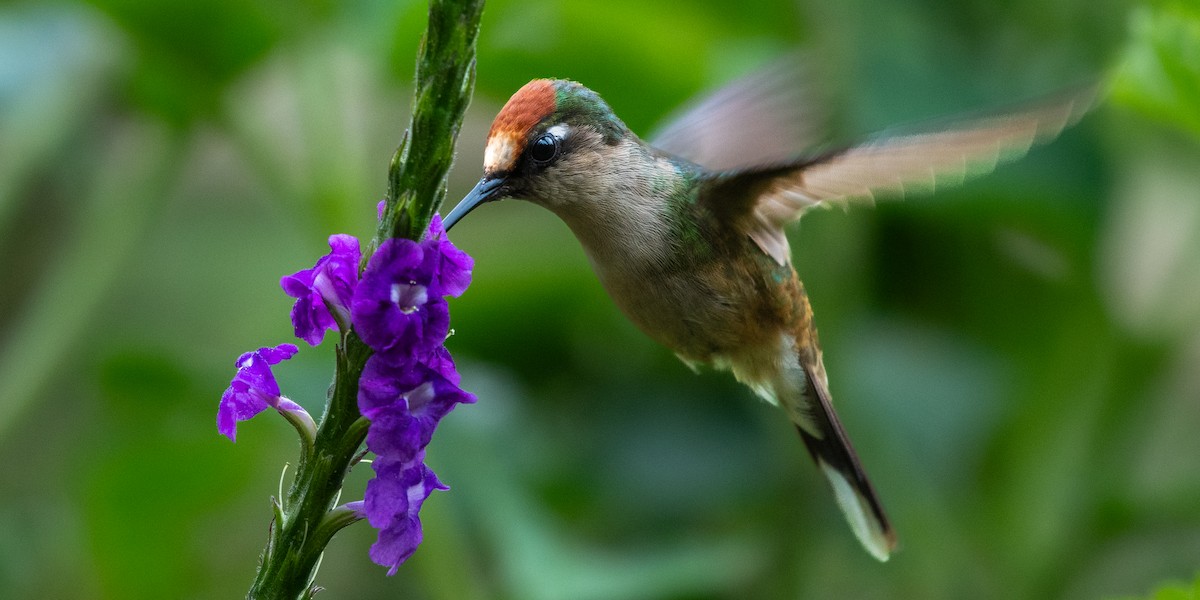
(344, 246)
(297, 284)
(436, 229)
(278, 354)
(330, 282)
(310, 321)
(403, 429)
(342, 267)
(427, 384)
(398, 435)
(392, 503)
(236, 407)
(435, 327)
(252, 389)
(393, 305)
(384, 381)
(443, 364)
(451, 265)
(405, 395)
(254, 373)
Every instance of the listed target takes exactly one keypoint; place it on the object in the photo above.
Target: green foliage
(1176, 591)
(189, 52)
(1160, 73)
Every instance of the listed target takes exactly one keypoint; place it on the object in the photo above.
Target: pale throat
(619, 209)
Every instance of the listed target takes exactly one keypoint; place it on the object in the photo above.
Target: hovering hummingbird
(686, 233)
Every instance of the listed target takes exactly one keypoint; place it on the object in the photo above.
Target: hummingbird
(686, 232)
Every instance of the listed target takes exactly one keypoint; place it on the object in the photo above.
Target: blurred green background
(1017, 359)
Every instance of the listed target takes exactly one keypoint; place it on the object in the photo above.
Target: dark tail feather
(831, 450)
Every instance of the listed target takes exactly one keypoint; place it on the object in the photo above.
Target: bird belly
(707, 316)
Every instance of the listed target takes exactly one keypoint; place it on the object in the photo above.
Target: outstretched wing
(896, 165)
(773, 196)
(767, 117)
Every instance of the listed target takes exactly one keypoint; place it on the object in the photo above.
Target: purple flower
(405, 397)
(328, 285)
(392, 505)
(405, 400)
(401, 429)
(407, 386)
(423, 382)
(253, 389)
(397, 304)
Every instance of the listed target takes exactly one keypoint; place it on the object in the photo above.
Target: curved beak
(488, 189)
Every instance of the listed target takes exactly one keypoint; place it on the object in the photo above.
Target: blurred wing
(768, 117)
(901, 164)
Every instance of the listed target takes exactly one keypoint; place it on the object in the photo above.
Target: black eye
(544, 149)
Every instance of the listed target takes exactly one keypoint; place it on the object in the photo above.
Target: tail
(826, 441)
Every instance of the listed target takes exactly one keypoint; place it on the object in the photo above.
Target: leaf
(1159, 75)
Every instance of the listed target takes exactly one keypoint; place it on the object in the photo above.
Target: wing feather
(767, 117)
(898, 165)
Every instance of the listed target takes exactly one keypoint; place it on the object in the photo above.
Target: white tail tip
(866, 527)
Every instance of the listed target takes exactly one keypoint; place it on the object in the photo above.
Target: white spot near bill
(500, 154)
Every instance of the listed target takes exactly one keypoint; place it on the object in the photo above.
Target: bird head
(550, 138)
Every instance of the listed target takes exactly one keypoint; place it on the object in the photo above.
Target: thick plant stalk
(307, 517)
(444, 82)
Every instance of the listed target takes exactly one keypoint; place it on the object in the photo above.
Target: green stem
(293, 550)
(444, 82)
(307, 519)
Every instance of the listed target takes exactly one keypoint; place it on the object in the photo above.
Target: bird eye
(544, 149)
